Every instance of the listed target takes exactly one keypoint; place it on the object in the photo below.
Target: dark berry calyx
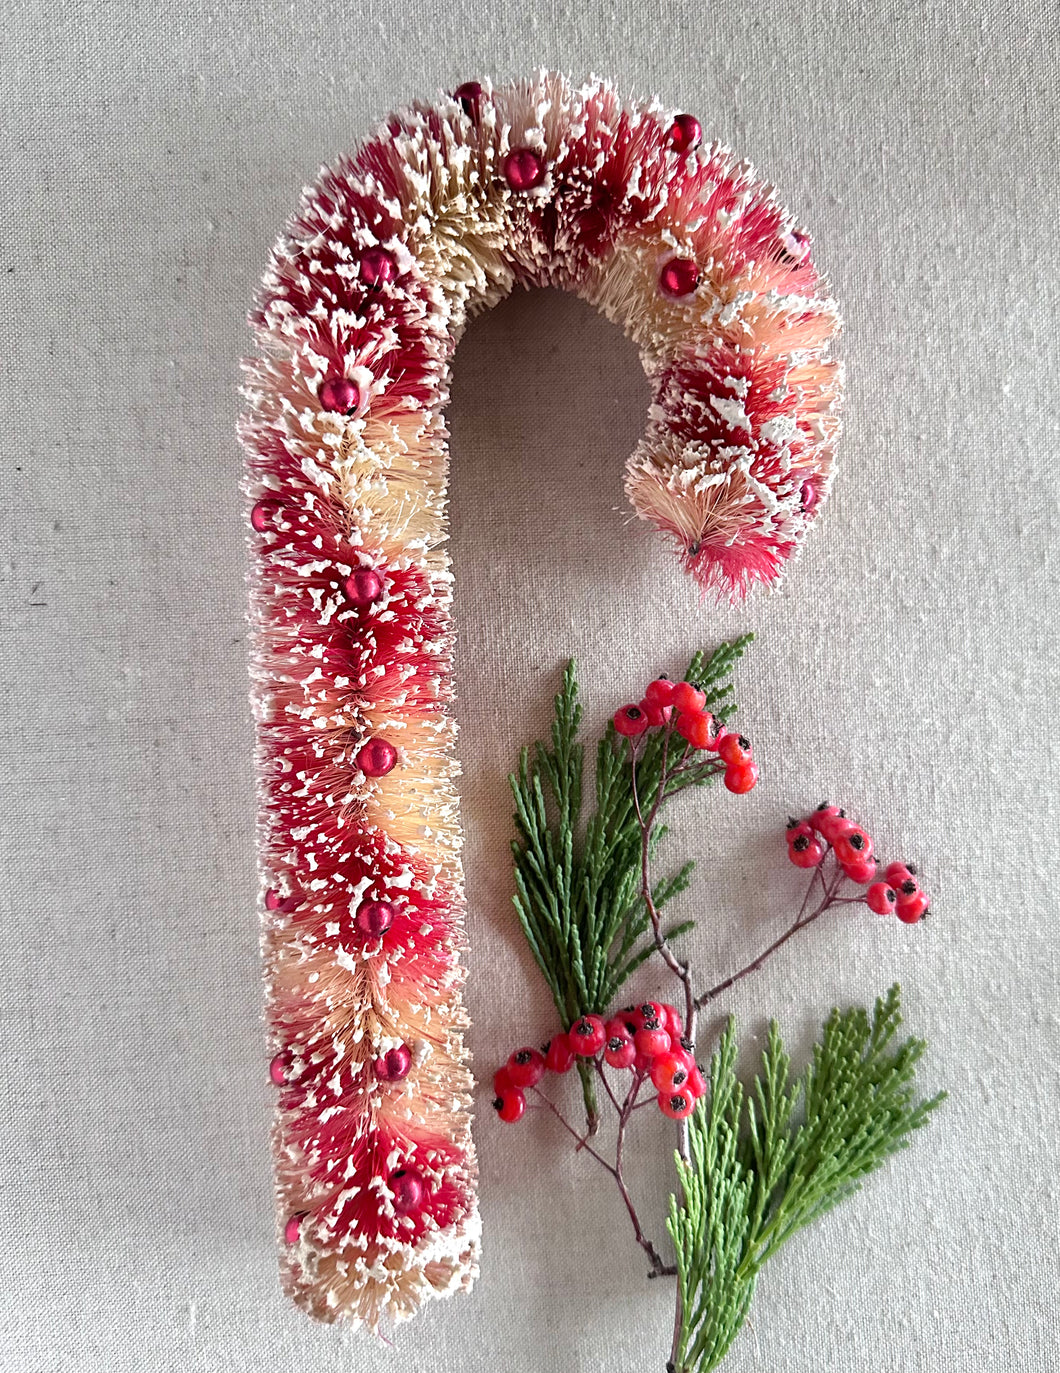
(686, 1044)
(524, 1056)
(891, 895)
(616, 1042)
(801, 844)
(633, 712)
(856, 841)
(680, 1076)
(497, 1103)
(793, 824)
(909, 887)
(678, 1101)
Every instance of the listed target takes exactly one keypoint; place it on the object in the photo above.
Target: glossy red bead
(673, 1022)
(502, 1082)
(677, 1105)
(394, 1064)
(524, 169)
(262, 516)
(340, 395)
(679, 277)
(526, 1067)
(374, 918)
(587, 1036)
(377, 267)
(686, 133)
(559, 1056)
(469, 95)
(808, 496)
(292, 1231)
(897, 873)
(510, 1105)
(696, 1083)
(630, 722)
(273, 900)
(280, 1069)
(882, 898)
(408, 1190)
(376, 758)
(363, 587)
(823, 813)
(742, 778)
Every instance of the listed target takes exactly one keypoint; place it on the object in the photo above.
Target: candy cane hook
(439, 215)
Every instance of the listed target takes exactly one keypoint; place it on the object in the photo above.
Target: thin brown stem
(801, 922)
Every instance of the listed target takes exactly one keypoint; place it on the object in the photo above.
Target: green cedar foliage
(766, 1163)
(578, 883)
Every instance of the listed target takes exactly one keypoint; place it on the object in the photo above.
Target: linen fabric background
(906, 668)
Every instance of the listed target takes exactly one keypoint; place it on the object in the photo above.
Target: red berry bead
(655, 715)
(630, 721)
(686, 133)
(652, 1042)
(679, 277)
(559, 1056)
(833, 827)
(862, 871)
(292, 1231)
(696, 1083)
(741, 779)
(912, 908)
(526, 1067)
(273, 900)
(881, 897)
(587, 1036)
(469, 94)
(363, 587)
(340, 395)
(646, 1014)
(374, 918)
(672, 1023)
(502, 1082)
(677, 1105)
(262, 515)
(797, 827)
(697, 729)
(805, 851)
(808, 496)
(824, 812)
(735, 750)
(897, 873)
(407, 1189)
(280, 1069)
(377, 267)
(394, 1064)
(524, 169)
(620, 1051)
(671, 1071)
(853, 845)
(660, 692)
(510, 1105)
(376, 758)
(688, 699)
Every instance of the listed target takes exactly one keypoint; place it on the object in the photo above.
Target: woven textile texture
(907, 667)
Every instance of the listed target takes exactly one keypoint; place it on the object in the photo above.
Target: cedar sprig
(578, 885)
(764, 1164)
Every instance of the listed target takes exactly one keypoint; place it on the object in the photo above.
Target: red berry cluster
(829, 827)
(681, 706)
(647, 1040)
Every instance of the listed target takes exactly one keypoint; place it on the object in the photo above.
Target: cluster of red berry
(682, 706)
(646, 1039)
(829, 827)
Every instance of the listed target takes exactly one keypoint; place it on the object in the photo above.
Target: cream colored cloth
(907, 668)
